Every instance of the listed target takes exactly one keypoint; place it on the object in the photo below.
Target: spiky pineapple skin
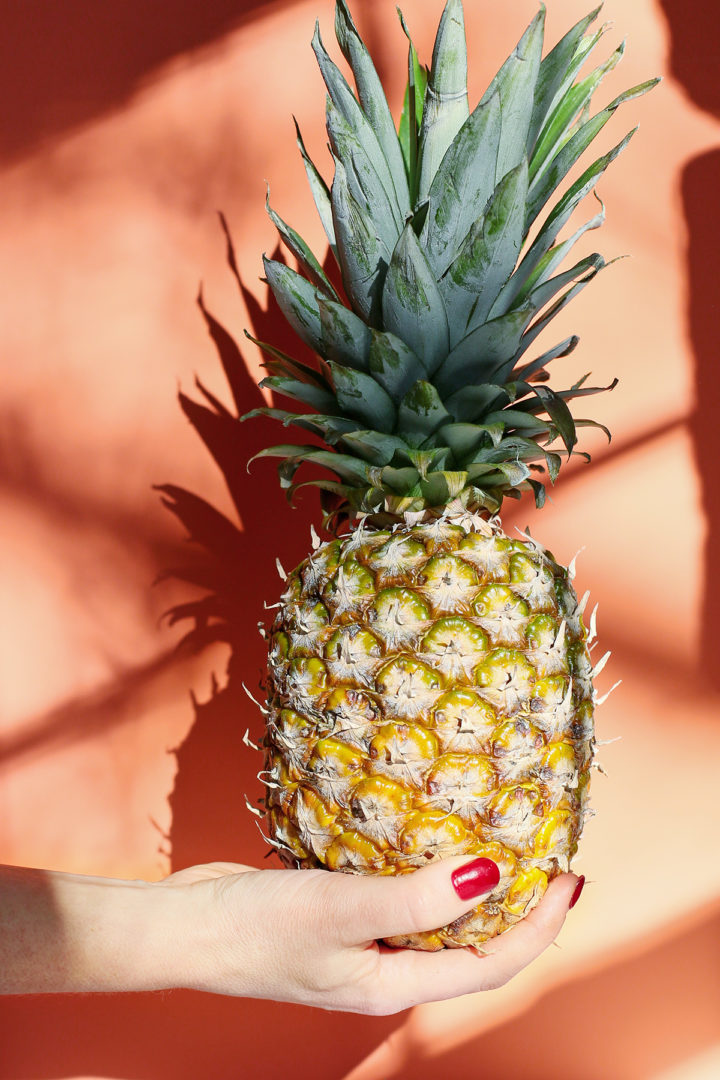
(430, 694)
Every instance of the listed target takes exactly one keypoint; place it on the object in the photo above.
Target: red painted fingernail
(475, 878)
(578, 889)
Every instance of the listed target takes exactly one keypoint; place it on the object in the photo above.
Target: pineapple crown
(422, 390)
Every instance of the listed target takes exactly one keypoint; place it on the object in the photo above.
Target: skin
(303, 936)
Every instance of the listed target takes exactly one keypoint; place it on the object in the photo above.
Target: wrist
(68, 932)
(142, 936)
(115, 935)
(181, 943)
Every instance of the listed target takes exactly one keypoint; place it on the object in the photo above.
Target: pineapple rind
(429, 696)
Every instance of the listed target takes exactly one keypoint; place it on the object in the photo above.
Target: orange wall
(127, 128)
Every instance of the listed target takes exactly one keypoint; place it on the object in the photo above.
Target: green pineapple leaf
(297, 299)
(362, 254)
(513, 448)
(534, 366)
(426, 461)
(320, 191)
(585, 391)
(446, 103)
(373, 446)
(344, 492)
(404, 481)
(345, 338)
(463, 184)
(412, 306)
(560, 415)
(539, 492)
(465, 439)
(411, 117)
(421, 413)
(515, 85)
(539, 325)
(363, 180)
(348, 106)
(557, 218)
(393, 364)
(343, 465)
(312, 269)
(329, 428)
(279, 363)
(561, 63)
(440, 488)
(310, 394)
(373, 100)
(561, 125)
(515, 292)
(361, 397)
(487, 256)
(482, 351)
(596, 423)
(553, 462)
(517, 420)
(513, 473)
(543, 186)
(546, 290)
(471, 402)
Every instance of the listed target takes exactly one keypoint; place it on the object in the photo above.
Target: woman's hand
(306, 936)
(310, 936)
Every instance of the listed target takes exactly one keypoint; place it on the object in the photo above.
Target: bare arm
(305, 936)
(66, 932)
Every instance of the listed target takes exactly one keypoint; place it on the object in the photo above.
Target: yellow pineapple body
(430, 695)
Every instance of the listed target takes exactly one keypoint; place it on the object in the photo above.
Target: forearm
(64, 932)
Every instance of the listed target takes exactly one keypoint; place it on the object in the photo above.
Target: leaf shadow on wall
(693, 62)
(184, 1034)
(236, 569)
(61, 65)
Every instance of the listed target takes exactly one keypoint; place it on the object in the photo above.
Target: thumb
(383, 907)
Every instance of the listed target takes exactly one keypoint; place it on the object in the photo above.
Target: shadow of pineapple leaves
(63, 65)
(233, 565)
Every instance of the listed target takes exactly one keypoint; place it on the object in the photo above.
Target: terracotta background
(126, 126)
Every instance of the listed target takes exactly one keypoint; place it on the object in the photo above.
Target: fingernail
(475, 878)
(578, 889)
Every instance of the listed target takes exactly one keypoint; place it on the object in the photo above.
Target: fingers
(378, 907)
(406, 978)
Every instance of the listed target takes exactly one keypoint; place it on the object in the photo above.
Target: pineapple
(430, 690)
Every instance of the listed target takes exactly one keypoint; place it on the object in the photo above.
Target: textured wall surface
(126, 127)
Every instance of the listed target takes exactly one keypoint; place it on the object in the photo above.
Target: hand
(310, 936)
